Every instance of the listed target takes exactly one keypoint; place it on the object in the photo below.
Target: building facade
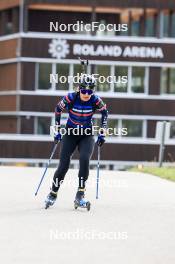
(33, 46)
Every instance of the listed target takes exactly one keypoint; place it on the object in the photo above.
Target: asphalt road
(131, 223)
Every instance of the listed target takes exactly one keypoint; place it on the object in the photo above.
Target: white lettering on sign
(100, 50)
(116, 51)
(143, 52)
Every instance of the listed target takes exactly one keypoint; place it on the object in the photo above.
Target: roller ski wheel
(50, 200)
(88, 206)
(84, 204)
(80, 201)
(75, 205)
(47, 205)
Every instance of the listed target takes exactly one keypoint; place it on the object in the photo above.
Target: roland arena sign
(117, 51)
(66, 49)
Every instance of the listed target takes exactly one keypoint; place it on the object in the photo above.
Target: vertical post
(21, 16)
(93, 17)
(162, 144)
(19, 68)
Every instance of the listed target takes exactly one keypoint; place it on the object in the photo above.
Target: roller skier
(81, 105)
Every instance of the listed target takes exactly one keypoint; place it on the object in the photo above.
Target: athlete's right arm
(62, 104)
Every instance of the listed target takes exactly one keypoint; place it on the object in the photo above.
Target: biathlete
(81, 106)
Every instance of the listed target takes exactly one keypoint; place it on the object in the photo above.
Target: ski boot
(80, 201)
(50, 200)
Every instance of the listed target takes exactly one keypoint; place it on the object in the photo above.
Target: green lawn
(165, 173)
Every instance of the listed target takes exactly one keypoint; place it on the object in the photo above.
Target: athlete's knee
(62, 171)
(64, 164)
(84, 157)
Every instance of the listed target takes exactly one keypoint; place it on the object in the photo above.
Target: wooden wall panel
(141, 106)
(28, 76)
(112, 3)
(115, 105)
(8, 124)
(8, 49)
(39, 20)
(5, 4)
(154, 80)
(7, 103)
(125, 152)
(27, 125)
(8, 76)
(38, 103)
(151, 128)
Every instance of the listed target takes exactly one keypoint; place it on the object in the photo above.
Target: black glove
(58, 137)
(57, 134)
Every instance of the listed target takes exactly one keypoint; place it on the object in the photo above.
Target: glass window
(124, 19)
(83, 30)
(45, 69)
(101, 32)
(9, 28)
(173, 26)
(135, 22)
(113, 123)
(9, 24)
(166, 23)
(134, 127)
(164, 80)
(149, 27)
(102, 71)
(77, 70)
(96, 121)
(138, 77)
(135, 28)
(168, 80)
(172, 130)
(63, 121)
(121, 77)
(172, 81)
(43, 127)
(150, 23)
(63, 72)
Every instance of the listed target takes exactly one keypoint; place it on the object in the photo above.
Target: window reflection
(138, 77)
(45, 69)
(168, 80)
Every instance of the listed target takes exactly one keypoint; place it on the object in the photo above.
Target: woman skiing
(81, 106)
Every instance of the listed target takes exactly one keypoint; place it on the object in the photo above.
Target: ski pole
(84, 65)
(53, 151)
(98, 172)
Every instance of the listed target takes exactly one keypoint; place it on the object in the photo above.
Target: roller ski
(80, 201)
(50, 200)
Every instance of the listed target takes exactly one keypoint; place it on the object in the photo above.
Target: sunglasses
(86, 91)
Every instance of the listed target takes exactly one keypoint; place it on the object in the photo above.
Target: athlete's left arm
(101, 106)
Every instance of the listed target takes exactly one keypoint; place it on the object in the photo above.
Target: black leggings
(68, 145)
